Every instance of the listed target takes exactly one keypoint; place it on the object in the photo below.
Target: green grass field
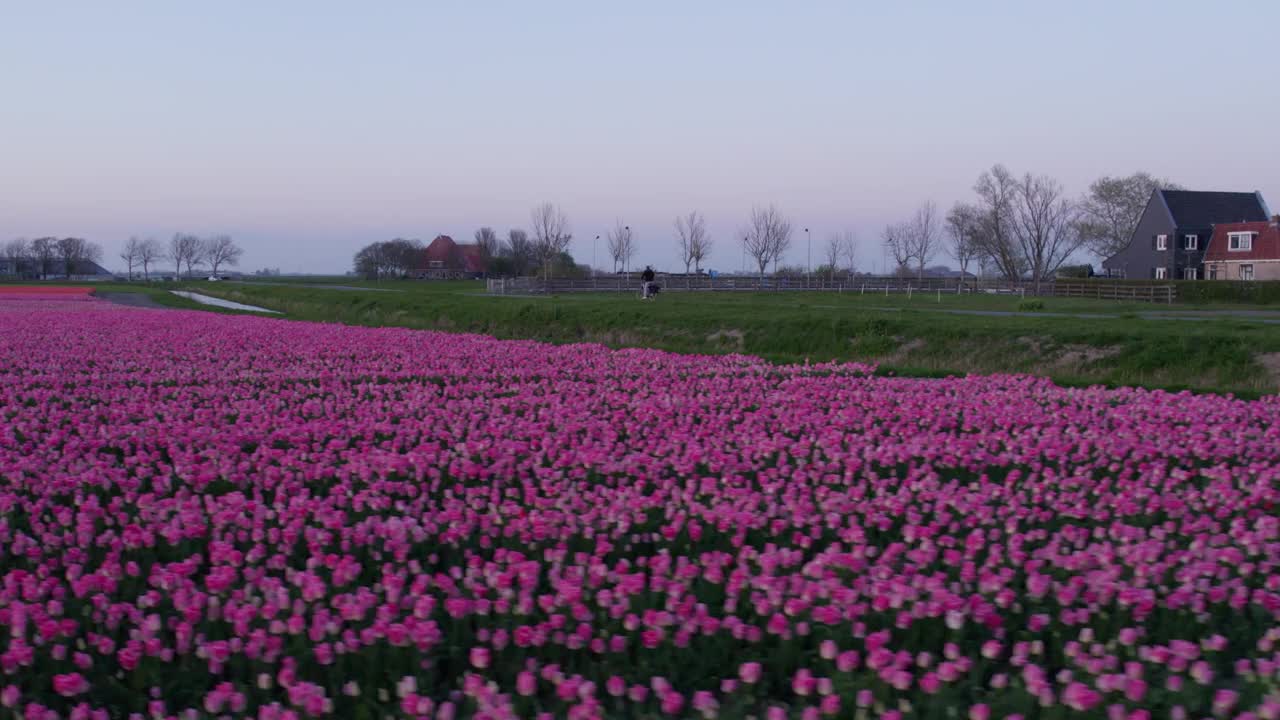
(914, 336)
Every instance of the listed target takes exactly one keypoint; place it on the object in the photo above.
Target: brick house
(1244, 251)
(445, 259)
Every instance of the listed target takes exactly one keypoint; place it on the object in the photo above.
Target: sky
(308, 129)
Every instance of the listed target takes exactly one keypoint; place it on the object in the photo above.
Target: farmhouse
(445, 259)
(1170, 238)
(1244, 251)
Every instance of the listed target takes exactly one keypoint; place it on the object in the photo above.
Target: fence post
(939, 294)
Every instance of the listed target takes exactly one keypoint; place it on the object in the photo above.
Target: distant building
(29, 269)
(945, 271)
(445, 259)
(1244, 251)
(1170, 239)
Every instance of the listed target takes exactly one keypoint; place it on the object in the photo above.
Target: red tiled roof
(454, 256)
(472, 258)
(1266, 242)
(441, 249)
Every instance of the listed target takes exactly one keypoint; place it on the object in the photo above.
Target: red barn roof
(472, 258)
(1266, 242)
(454, 256)
(442, 249)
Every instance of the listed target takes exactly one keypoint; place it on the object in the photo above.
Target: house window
(1188, 273)
(1239, 241)
(1246, 272)
(1161, 273)
(437, 263)
(1213, 272)
(1162, 242)
(1115, 272)
(1192, 242)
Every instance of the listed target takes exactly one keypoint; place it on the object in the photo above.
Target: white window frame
(1190, 273)
(1162, 242)
(1213, 272)
(1162, 273)
(1239, 241)
(1246, 271)
(1191, 242)
(436, 263)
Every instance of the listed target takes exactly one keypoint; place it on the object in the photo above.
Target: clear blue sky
(307, 129)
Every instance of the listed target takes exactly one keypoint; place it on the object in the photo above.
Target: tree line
(1019, 227)
(544, 248)
(184, 250)
(1023, 226)
(45, 256)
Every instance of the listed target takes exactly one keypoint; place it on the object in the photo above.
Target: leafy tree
(1110, 212)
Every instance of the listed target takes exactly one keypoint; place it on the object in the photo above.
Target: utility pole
(594, 243)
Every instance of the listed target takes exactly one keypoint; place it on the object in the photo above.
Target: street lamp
(594, 243)
(809, 258)
(626, 260)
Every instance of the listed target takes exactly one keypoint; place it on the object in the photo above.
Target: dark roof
(1195, 209)
(1265, 245)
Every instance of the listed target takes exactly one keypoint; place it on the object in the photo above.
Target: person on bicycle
(647, 278)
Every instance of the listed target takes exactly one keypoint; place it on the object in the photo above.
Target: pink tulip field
(207, 515)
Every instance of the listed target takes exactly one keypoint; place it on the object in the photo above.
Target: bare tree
(849, 250)
(129, 255)
(520, 249)
(1111, 210)
(767, 237)
(18, 251)
(831, 253)
(551, 234)
(997, 194)
(618, 242)
(487, 241)
(963, 225)
(73, 252)
(44, 254)
(184, 249)
(701, 245)
(923, 237)
(219, 250)
(1045, 226)
(897, 238)
(628, 249)
(694, 242)
(149, 251)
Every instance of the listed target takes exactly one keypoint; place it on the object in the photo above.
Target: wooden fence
(1101, 290)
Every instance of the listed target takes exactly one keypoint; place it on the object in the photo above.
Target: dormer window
(1239, 241)
(1162, 242)
(1192, 242)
